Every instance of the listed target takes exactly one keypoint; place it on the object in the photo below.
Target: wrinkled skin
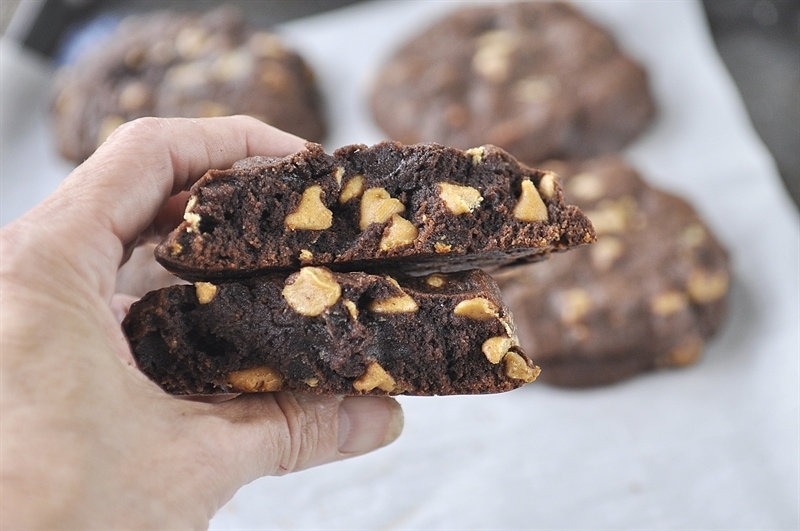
(87, 441)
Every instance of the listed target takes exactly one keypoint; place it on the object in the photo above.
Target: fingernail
(368, 423)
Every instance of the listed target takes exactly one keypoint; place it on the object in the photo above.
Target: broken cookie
(324, 332)
(389, 207)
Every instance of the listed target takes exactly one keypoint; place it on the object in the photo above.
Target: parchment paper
(714, 446)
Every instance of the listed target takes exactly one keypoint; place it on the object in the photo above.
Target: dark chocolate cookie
(418, 209)
(647, 295)
(174, 64)
(536, 78)
(317, 331)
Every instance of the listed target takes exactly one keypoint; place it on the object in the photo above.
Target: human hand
(87, 440)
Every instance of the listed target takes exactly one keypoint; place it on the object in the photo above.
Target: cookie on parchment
(648, 294)
(190, 65)
(538, 79)
(322, 332)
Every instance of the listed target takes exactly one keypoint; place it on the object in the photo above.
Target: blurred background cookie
(182, 64)
(647, 295)
(535, 78)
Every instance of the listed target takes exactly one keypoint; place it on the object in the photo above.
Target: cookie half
(538, 79)
(389, 207)
(318, 331)
(649, 294)
(190, 65)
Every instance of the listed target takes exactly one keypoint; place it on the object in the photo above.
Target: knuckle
(302, 434)
(137, 130)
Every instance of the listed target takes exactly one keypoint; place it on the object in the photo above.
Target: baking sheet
(714, 446)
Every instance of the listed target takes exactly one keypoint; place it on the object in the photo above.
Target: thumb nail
(367, 423)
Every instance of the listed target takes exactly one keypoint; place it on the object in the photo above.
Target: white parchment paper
(714, 446)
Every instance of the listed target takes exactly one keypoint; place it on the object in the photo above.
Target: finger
(278, 433)
(117, 193)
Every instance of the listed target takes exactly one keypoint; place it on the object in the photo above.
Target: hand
(87, 440)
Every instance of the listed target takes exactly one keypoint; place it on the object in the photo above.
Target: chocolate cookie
(647, 295)
(317, 331)
(535, 78)
(416, 208)
(175, 64)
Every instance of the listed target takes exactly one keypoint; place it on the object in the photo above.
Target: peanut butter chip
(586, 186)
(547, 185)
(606, 251)
(402, 303)
(517, 368)
(477, 154)
(187, 76)
(535, 89)
(190, 204)
(492, 60)
(191, 41)
(205, 292)
(353, 188)
(574, 304)
(613, 216)
(377, 206)
(668, 303)
(435, 280)
(352, 309)
(133, 97)
(232, 65)
(311, 291)
(706, 286)
(375, 377)
(686, 353)
(256, 380)
(477, 308)
(399, 304)
(192, 219)
(693, 235)
(400, 233)
(193, 222)
(530, 206)
(442, 248)
(495, 348)
(459, 199)
(311, 213)
(338, 173)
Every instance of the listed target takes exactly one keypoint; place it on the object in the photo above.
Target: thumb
(277, 433)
